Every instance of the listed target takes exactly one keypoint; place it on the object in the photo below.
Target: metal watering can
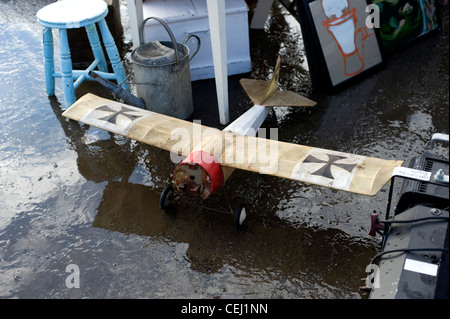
(162, 74)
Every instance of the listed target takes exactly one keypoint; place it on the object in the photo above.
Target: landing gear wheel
(166, 197)
(240, 216)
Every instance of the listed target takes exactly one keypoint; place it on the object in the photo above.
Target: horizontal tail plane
(267, 93)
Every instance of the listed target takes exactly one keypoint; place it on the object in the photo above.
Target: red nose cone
(200, 174)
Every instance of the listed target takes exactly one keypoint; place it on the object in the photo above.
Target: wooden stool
(70, 14)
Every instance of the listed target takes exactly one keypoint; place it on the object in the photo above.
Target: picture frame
(340, 46)
(404, 21)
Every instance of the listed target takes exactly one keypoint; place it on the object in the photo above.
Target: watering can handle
(174, 41)
(198, 44)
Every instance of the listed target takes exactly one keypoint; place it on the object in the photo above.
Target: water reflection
(270, 253)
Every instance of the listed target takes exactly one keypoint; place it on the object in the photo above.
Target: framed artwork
(341, 44)
(402, 21)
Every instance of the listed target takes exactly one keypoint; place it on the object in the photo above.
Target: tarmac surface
(75, 197)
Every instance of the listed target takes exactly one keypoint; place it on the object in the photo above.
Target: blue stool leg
(66, 68)
(113, 53)
(96, 47)
(49, 64)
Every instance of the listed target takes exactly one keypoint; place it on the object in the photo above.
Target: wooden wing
(141, 125)
(337, 170)
(343, 171)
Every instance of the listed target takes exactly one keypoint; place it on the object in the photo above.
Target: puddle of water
(71, 194)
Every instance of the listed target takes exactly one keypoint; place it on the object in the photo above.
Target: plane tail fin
(267, 93)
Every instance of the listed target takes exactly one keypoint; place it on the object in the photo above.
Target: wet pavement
(71, 195)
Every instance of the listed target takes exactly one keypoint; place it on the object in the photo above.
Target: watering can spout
(118, 91)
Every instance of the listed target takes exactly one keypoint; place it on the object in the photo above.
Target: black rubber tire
(240, 215)
(166, 197)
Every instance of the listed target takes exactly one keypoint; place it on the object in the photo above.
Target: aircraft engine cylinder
(199, 174)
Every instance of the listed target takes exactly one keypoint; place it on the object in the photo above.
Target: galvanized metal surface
(162, 75)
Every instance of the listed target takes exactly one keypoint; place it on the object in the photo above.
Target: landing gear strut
(239, 215)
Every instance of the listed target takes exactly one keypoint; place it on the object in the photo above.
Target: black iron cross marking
(112, 118)
(325, 170)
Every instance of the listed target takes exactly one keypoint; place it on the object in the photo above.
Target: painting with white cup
(349, 45)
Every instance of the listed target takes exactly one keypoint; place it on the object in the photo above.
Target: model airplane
(211, 155)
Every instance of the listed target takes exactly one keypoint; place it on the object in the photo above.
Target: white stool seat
(72, 13)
